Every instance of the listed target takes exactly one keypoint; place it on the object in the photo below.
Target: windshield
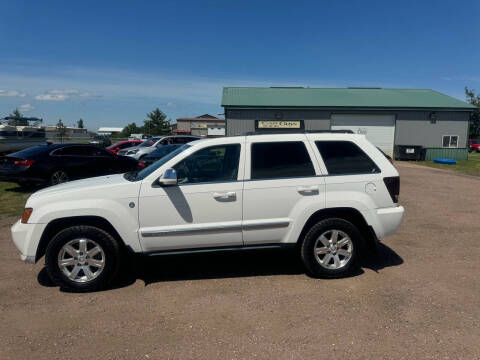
(135, 176)
(149, 142)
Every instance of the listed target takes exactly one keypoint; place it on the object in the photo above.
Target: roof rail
(276, 132)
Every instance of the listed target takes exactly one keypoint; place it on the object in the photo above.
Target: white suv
(331, 195)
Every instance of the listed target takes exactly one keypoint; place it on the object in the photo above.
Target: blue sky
(110, 62)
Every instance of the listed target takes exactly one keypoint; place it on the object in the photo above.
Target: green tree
(156, 124)
(18, 121)
(80, 124)
(129, 130)
(473, 99)
(61, 130)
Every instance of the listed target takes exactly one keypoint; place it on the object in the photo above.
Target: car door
(281, 179)
(74, 160)
(204, 209)
(102, 161)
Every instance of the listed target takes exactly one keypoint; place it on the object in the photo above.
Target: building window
(450, 141)
(345, 157)
(273, 160)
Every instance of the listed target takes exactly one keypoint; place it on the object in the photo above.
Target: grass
(470, 166)
(12, 199)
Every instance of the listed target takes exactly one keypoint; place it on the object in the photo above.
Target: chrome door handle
(307, 189)
(225, 195)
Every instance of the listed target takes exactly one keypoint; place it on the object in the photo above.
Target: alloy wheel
(59, 177)
(81, 260)
(333, 249)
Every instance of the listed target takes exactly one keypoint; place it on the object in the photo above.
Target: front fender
(117, 212)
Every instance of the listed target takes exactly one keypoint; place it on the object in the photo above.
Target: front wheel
(331, 248)
(83, 258)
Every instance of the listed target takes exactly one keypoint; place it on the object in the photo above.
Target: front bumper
(26, 238)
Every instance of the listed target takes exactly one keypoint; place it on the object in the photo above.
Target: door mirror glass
(169, 178)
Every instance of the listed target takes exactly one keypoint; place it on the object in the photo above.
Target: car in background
(57, 163)
(474, 145)
(101, 140)
(149, 145)
(115, 148)
(157, 154)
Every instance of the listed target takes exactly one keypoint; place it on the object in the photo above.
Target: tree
(18, 121)
(129, 130)
(156, 124)
(80, 124)
(61, 130)
(474, 129)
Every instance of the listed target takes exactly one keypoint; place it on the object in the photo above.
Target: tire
(333, 259)
(81, 272)
(59, 176)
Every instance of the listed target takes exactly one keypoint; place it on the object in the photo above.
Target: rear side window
(280, 160)
(345, 157)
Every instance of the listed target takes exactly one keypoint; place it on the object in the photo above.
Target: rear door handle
(225, 195)
(307, 189)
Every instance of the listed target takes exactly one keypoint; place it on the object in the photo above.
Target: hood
(82, 185)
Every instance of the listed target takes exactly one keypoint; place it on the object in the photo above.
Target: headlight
(132, 151)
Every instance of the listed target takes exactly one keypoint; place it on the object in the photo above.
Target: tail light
(141, 164)
(393, 186)
(26, 163)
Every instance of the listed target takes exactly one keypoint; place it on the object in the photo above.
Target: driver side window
(212, 164)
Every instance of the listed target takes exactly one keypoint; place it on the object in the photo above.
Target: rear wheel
(58, 177)
(83, 258)
(331, 248)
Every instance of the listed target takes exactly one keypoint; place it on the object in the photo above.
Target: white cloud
(26, 107)
(12, 93)
(60, 95)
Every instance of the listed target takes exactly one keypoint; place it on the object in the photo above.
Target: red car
(123, 145)
(474, 145)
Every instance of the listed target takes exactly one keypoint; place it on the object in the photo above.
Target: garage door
(379, 129)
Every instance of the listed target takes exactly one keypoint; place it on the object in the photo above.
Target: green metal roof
(339, 98)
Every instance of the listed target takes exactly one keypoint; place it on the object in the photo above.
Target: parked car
(101, 140)
(149, 145)
(158, 153)
(474, 145)
(115, 148)
(331, 196)
(56, 163)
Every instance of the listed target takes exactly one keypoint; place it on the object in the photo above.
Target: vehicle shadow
(218, 265)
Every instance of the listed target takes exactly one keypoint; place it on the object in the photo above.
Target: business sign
(267, 124)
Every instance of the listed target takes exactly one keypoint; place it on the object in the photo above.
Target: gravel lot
(418, 298)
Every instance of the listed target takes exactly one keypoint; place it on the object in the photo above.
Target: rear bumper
(26, 238)
(385, 221)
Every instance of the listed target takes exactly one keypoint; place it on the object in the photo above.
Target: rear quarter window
(345, 157)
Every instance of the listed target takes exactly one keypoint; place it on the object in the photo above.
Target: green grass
(12, 199)
(470, 166)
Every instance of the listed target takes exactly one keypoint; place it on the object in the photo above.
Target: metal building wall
(415, 128)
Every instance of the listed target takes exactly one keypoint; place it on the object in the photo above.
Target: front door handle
(230, 195)
(308, 189)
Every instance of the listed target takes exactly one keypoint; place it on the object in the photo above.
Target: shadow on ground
(227, 265)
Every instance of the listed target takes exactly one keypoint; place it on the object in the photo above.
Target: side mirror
(169, 178)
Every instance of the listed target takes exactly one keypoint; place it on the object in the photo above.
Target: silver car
(149, 145)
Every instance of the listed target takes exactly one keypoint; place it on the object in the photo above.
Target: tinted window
(70, 151)
(280, 159)
(182, 140)
(213, 164)
(94, 151)
(345, 157)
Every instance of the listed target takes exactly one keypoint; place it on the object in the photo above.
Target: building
(109, 130)
(388, 117)
(51, 132)
(199, 126)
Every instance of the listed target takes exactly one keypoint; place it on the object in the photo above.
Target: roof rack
(276, 132)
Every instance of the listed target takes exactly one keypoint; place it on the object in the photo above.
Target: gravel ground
(417, 299)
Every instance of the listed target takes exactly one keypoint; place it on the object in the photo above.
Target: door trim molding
(196, 230)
